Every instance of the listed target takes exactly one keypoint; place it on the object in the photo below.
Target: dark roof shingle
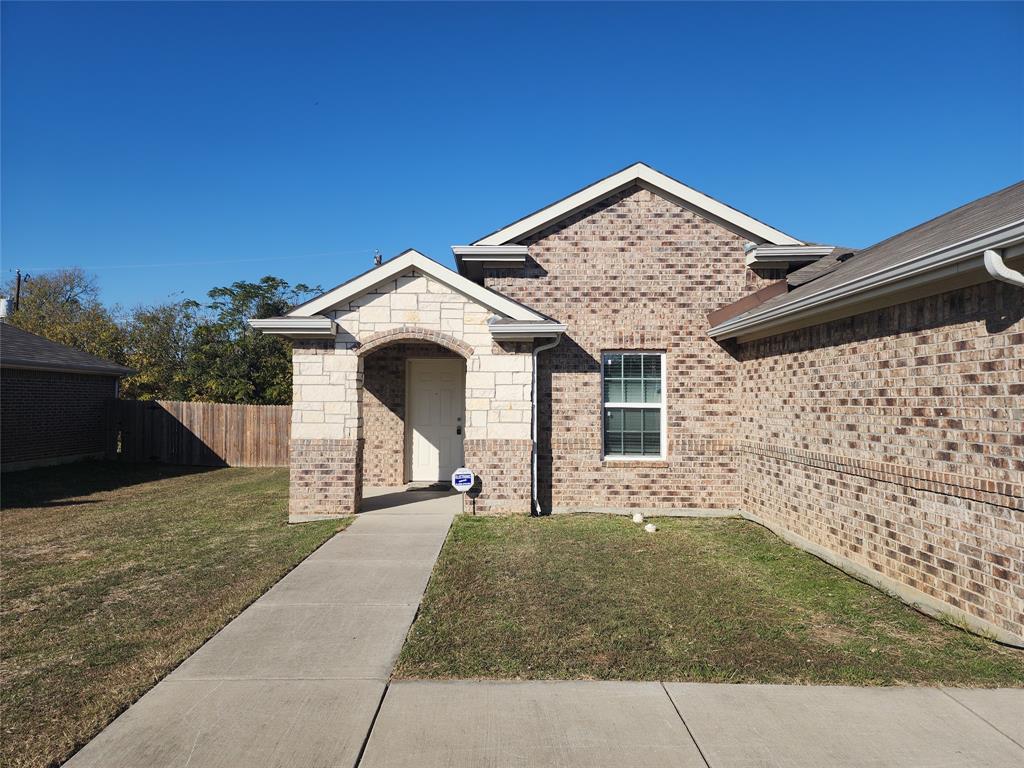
(971, 220)
(21, 349)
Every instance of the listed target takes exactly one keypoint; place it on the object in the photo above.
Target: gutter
(533, 398)
(997, 268)
(949, 261)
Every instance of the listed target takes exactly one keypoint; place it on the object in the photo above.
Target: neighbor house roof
(945, 252)
(638, 174)
(21, 349)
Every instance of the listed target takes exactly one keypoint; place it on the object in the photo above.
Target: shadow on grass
(66, 484)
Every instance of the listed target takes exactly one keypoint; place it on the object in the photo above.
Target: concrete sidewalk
(297, 678)
(589, 724)
(301, 679)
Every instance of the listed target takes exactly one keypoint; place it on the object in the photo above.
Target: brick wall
(635, 272)
(896, 439)
(48, 415)
(504, 471)
(323, 477)
(384, 410)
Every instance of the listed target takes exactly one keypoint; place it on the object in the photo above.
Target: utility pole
(17, 290)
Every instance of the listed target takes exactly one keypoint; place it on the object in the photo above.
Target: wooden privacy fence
(201, 434)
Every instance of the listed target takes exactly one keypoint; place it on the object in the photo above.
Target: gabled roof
(412, 259)
(950, 245)
(21, 349)
(645, 176)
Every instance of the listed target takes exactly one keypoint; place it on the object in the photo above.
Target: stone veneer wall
(635, 272)
(328, 392)
(896, 439)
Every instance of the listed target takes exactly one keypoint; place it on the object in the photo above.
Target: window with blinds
(634, 404)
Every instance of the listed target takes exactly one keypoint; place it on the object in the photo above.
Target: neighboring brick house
(52, 400)
(638, 344)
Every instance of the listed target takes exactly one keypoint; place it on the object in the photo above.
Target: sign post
(462, 481)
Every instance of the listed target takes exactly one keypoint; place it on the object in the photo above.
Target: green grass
(719, 600)
(113, 574)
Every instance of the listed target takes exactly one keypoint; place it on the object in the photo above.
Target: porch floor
(410, 499)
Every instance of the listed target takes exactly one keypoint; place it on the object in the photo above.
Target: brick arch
(413, 333)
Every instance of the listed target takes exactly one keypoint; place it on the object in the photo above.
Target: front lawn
(714, 600)
(113, 574)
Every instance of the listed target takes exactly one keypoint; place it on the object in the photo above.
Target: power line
(199, 263)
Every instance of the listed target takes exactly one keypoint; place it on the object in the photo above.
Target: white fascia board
(412, 259)
(313, 327)
(652, 179)
(932, 267)
(525, 331)
(513, 260)
(785, 254)
(489, 252)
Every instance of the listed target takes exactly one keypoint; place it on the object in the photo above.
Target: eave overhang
(954, 266)
(25, 365)
(471, 260)
(314, 327)
(642, 175)
(783, 256)
(414, 260)
(509, 331)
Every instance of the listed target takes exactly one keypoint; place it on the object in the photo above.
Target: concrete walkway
(590, 724)
(301, 678)
(297, 678)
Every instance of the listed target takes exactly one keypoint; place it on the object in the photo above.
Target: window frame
(661, 406)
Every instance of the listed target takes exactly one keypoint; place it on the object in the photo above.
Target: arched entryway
(413, 408)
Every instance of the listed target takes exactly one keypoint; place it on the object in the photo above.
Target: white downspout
(997, 268)
(536, 353)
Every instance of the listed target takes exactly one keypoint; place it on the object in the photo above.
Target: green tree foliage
(181, 350)
(159, 340)
(64, 306)
(228, 362)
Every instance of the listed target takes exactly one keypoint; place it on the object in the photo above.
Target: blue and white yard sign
(462, 479)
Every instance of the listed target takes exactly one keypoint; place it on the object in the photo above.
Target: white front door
(436, 417)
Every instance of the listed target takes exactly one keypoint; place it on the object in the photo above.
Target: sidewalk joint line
(373, 722)
(685, 725)
(986, 722)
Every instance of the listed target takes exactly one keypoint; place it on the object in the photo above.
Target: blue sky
(171, 148)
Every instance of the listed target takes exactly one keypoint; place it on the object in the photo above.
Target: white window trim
(663, 406)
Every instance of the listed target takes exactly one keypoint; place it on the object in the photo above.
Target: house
(53, 400)
(639, 344)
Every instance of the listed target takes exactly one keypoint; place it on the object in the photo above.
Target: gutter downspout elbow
(536, 353)
(997, 268)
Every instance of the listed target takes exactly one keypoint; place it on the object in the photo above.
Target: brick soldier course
(881, 429)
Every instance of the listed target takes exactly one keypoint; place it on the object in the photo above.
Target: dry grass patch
(113, 574)
(714, 600)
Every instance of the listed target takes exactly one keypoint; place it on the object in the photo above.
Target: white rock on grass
(650, 527)
(637, 517)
